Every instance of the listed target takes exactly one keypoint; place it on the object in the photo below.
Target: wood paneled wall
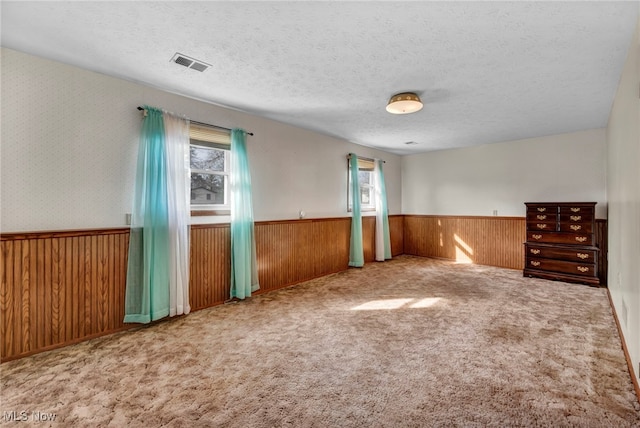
(210, 265)
(290, 252)
(494, 241)
(602, 238)
(396, 232)
(59, 288)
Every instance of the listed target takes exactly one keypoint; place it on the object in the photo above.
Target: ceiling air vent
(188, 62)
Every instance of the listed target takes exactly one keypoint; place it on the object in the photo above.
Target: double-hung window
(209, 164)
(365, 179)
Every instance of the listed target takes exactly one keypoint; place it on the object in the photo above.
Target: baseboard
(634, 378)
(75, 341)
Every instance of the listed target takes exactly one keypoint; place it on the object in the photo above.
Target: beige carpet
(408, 343)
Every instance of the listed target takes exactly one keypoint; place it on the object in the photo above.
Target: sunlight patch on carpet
(384, 304)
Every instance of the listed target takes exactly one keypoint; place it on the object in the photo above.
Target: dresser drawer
(561, 266)
(576, 218)
(542, 209)
(536, 216)
(561, 237)
(555, 252)
(549, 226)
(576, 227)
(577, 210)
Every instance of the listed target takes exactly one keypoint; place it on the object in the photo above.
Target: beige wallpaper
(623, 191)
(502, 176)
(69, 148)
(68, 145)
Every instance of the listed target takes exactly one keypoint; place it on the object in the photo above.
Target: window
(209, 163)
(365, 179)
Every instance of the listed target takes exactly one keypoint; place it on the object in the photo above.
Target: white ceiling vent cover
(189, 62)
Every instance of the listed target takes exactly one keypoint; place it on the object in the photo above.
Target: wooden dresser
(561, 242)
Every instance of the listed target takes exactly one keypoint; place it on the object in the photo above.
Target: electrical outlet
(127, 219)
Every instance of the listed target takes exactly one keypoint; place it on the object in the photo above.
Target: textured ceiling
(486, 71)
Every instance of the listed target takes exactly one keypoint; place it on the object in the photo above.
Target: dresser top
(561, 203)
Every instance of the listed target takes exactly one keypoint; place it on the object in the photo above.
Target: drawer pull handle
(541, 217)
(534, 251)
(576, 217)
(581, 238)
(542, 209)
(535, 236)
(575, 227)
(583, 269)
(536, 263)
(541, 226)
(582, 256)
(575, 210)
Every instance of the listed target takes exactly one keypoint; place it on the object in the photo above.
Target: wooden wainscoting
(210, 265)
(396, 224)
(293, 251)
(602, 238)
(396, 233)
(494, 241)
(59, 288)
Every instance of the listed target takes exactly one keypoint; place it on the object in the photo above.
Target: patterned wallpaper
(68, 146)
(70, 139)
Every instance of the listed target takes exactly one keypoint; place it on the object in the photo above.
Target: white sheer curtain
(178, 192)
(383, 241)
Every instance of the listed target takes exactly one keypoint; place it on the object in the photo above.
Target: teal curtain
(383, 241)
(244, 269)
(356, 251)
(147, 289)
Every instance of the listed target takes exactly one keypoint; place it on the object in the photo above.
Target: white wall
(69, 148)
(623, 191)
(502, 176)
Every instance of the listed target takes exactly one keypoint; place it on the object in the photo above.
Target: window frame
(371, 206)
(212, 209)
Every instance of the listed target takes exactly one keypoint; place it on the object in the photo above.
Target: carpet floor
(411, 342)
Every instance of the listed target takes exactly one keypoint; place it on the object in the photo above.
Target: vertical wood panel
(62, 287)
(18, 307)
(396, 232)
(27, 276)
(57, 290)
(74, 286)
(210, 266)
(56, 329)
(6, 299)
(601, 233)
(44, 293)
(293, 251)
(494, 241)
(369, 238)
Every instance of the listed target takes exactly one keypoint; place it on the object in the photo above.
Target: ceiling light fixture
(404, 103)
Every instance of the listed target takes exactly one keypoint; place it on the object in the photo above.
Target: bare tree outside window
(209, 175)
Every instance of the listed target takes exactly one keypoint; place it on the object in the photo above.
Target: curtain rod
(363, 158)
(206, 124)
